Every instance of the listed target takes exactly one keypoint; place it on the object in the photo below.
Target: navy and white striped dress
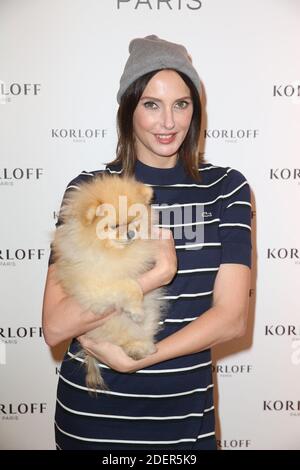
(168, 405)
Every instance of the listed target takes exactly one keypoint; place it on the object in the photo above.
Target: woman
(164, 401)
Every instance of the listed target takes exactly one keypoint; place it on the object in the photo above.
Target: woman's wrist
(151, 279)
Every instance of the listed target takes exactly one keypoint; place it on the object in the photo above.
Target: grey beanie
(152, 53)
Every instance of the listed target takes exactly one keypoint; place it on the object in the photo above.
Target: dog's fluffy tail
(93, 380)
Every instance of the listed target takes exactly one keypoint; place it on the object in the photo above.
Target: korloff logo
(78, 135)
(8, 91)
(14, 411)
(157, 5)
(231, 135)
(284, 254)
(285, 174)
(231, 444)
(13, 256)
(282, 330)
(230, 370)
(11, 335)
(10, 176)
(282, 406)
(286, 90)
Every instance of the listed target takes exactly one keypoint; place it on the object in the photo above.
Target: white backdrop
(60, 62)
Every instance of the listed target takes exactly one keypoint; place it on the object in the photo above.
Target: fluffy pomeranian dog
(102, 246)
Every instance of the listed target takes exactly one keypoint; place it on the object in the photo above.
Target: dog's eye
(114, 226)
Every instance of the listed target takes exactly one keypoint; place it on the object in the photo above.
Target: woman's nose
(168, 119)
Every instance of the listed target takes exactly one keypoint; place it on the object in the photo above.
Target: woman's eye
(184, 103)
(150, 103)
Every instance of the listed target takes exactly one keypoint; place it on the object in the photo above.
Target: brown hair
(125, 153)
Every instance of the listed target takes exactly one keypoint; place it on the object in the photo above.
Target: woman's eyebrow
(157, 99)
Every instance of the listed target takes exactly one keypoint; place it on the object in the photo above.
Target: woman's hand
(114, 356)
(106, 352)
(165, 262)
(109, 354)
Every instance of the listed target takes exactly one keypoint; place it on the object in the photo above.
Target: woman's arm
(166, 262)
(63, 317)
(225, 320)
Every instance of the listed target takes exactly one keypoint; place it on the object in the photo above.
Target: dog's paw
(139, 349)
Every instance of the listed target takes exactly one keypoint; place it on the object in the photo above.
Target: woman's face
(162, 119)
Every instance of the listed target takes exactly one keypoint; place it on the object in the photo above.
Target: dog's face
(117, 228)
(114, 212)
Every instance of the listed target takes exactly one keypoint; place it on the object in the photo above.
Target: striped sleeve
(235, 220)
(73, 184)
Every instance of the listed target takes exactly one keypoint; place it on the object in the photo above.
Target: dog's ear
(147, 193)
(90, 214)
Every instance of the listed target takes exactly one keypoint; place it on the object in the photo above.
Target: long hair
(188, 152)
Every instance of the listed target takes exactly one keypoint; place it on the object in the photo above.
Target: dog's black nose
(130, 234)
